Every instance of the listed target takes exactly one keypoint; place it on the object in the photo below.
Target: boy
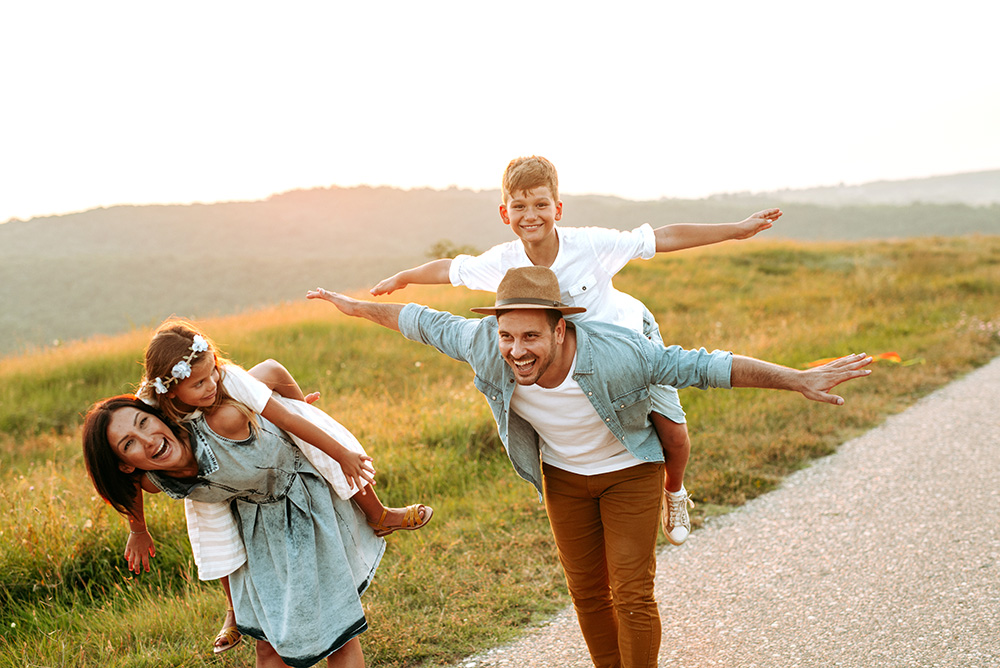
(585, 260)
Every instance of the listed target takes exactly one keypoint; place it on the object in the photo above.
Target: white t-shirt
(585, 265)
(573, 436)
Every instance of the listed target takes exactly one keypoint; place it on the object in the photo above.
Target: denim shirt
(614, 367)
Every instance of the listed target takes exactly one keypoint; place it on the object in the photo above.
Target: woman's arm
(139, 546)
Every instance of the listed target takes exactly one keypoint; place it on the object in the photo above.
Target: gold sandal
(411, 520)
(231, 636)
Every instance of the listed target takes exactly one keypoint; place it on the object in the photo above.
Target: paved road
(885, 554)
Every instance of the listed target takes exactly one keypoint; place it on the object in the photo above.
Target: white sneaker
(674, 516)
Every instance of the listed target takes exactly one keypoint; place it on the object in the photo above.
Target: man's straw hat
(529, 288)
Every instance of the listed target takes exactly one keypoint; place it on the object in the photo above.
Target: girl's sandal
(411, 520)
(231, 636)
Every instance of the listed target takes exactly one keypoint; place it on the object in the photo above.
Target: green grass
(485, 567)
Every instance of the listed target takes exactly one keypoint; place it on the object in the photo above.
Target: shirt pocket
(579, 289)
(632, 408)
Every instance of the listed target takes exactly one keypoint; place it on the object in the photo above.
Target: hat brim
(492, 310)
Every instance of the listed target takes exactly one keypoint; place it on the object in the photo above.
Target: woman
(310, 554)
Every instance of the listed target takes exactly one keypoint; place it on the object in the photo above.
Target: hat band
(528, 300)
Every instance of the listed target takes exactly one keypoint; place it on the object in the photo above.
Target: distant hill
(110, 269)
(973, 189)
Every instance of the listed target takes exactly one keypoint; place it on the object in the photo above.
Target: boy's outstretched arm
(386, 315)
(434, 272)
(689, 235)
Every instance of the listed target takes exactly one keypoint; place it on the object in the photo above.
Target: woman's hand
(138, 549)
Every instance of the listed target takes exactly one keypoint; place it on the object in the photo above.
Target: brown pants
(605, 530)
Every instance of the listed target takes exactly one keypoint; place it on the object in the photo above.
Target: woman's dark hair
(114, 485)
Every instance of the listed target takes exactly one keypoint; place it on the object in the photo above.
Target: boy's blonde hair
(524, 174)
(171, 342)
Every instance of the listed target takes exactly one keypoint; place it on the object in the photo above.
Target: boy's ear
(503, 214)
(558, 215)
(127, 469)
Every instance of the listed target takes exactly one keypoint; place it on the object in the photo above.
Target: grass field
(485, 567)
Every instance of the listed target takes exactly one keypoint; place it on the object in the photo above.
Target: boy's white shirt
(215, 541)
(585, 265)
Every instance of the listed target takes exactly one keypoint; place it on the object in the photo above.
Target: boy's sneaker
(674, 516)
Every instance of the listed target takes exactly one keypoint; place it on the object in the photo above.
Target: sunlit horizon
(113, 103)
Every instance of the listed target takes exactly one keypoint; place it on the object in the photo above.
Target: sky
(105, 102)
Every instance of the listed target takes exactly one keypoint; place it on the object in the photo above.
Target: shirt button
(607, 419)
(494, 398)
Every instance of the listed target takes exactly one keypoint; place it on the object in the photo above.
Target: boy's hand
(388, 285)
(138, 549)
(758, 222)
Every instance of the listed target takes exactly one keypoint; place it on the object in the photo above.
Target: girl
(185, 376)
(309, 553)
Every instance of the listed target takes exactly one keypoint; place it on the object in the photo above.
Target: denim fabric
(615, 367)
(310, 554)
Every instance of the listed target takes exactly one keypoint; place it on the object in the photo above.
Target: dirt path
(885, 554)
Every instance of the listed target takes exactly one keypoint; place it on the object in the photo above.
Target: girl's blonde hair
(172, 342)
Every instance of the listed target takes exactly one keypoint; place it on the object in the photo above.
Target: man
(571, 405)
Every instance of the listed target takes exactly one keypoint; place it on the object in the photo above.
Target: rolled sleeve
(451, 334)
(678, 367)
(647, 241)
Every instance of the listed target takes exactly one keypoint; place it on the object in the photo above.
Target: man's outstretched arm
(813, 384)
(386, 315)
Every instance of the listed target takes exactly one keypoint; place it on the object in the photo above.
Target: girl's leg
(384, 519)
(348, 656)
(228, 637)
(276, 376)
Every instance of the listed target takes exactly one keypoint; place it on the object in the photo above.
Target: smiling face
(532, 214)
(532, 347)
(143, 441)
(200, 389)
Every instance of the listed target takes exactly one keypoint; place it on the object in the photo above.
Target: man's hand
(386, 315)
(817, 382)
(347, 305)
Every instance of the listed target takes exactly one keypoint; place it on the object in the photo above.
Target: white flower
(159, 386)
(200, 345)
(181, 370)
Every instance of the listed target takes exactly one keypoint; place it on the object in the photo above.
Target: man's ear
(126, 468)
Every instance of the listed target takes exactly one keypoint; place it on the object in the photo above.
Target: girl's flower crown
(182, 369)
